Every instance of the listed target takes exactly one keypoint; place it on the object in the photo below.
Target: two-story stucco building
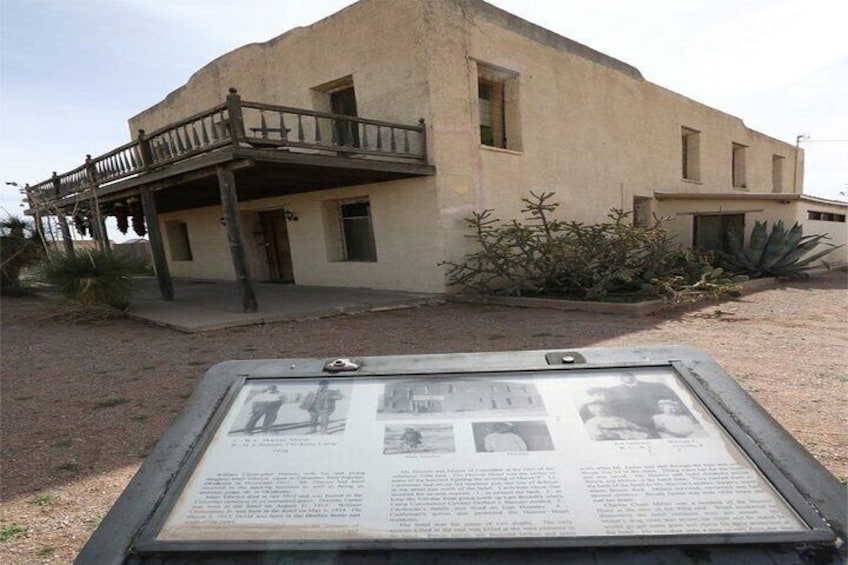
(328, 179)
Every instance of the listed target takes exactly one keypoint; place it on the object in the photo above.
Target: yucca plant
(780, 253)
(19, 248)
(95, 279)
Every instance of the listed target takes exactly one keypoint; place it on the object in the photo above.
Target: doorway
(344, 102)
(277, 248)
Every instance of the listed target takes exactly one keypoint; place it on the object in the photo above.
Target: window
(357, 233)
(691, 153)
(641, 211)
(348, 230)
(777, 173)
(343, 101)
(738, 165)
(825, 216)
(713, 232)
(178, 242)
(497, 97)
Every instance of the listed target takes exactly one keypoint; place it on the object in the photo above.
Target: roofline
(780, 197)
(542, 35)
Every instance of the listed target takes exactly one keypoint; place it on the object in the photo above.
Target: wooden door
(277, 246)
(344, 102)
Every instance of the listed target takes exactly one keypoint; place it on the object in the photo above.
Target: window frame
(347, 246)
(503, 108)
(690, 141)
(738, 166)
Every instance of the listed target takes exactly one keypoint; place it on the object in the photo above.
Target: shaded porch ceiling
(262, 174)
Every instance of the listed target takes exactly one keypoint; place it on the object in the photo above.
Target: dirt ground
(83, 403)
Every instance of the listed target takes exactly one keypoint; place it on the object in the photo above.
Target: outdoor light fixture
(290, 215)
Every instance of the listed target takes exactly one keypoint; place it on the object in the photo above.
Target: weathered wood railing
(239, 123)
(267, 124)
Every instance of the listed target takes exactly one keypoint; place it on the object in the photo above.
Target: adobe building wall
(376, 45)
(584, 125)
(591, 128)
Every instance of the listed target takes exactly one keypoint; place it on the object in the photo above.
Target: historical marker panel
(571, 455)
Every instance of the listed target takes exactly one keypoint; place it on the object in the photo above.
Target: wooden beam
(157, 246)
(66, 234)
(229, 201)
(332, 162)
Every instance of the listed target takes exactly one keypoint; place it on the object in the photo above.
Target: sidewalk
(200, 306)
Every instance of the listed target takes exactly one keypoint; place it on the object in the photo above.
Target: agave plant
(780, 253)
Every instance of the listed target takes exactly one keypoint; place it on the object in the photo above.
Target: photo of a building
(424, 396)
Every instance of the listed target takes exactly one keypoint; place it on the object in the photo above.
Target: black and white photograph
(470, 397)
(423, 438)
(631, 407)
(490, 437)
(293, 408)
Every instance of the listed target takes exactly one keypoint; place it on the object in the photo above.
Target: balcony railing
(242, 124)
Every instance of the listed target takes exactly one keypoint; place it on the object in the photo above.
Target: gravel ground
(82, 403)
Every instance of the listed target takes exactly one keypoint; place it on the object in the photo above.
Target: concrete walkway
(200, 306)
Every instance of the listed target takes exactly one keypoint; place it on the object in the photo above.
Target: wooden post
(236, 117)
(98, 227)
(229, 201)
(157, 246)
(144, 151)
(66, 234)
(63, 221)
(424, 138)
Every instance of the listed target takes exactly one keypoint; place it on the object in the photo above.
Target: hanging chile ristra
(137, 218)
(122, 217)
(81, 223)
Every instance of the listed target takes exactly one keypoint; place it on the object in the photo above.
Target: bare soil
(83, 403)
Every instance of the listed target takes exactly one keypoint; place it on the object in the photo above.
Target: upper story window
(343, 101)
(690, 142)
(777, 173)
(738, 165)
(497, 106)
(337, 97)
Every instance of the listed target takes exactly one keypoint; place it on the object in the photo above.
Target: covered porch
(233, 153)
(200, 306)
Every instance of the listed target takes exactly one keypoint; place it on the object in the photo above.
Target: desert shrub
(547, 256)
(95, 279)
(19, 249)
(780, 253)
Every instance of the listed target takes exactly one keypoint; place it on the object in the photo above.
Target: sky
(74, 71)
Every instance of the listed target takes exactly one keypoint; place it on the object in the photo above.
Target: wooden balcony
(273, 150)
(231, 153)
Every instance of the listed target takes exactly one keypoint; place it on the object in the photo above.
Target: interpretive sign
(583, 454)
(603, 450)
